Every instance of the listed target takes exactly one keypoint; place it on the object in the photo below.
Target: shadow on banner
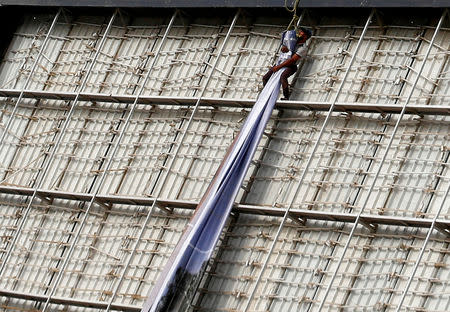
(178, 282)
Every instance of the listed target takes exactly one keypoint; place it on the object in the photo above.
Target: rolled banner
(177, 283)
(289, 39)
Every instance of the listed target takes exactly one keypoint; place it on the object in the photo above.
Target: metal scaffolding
(112, 131)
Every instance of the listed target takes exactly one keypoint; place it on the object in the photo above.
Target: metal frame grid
(112, 134)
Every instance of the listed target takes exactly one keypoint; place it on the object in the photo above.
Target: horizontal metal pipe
(367, 219)
(221, 102)
(67, 301)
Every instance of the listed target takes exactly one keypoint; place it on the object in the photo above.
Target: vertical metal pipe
(422, 250)
(381, 163)
(43, 172)
(41, 51)
(287, 184)
(61, 134)
(163, 40)
(433, 223)
(147, 218)
(197, 104)
(308, 163)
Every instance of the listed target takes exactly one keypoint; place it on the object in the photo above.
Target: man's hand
(288, 62)
(284, 49)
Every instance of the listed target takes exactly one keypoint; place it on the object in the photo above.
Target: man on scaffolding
(293, 48)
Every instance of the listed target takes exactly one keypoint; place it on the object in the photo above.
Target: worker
(293, 48)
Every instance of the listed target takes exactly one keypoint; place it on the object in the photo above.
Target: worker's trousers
(289, 71)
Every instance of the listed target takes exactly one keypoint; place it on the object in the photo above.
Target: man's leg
(289, 71)
(267, 76)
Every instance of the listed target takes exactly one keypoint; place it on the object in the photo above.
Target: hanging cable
(293, 23)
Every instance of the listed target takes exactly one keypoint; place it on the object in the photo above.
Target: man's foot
(284, 99)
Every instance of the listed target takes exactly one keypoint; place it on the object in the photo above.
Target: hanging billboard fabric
(177, 283)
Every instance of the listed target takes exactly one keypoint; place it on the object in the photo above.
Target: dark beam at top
(231, 3)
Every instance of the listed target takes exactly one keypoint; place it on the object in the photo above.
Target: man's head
(303, 34)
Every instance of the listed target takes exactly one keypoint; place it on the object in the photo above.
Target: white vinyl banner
(178, 281)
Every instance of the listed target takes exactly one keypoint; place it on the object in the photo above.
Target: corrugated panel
(126, 72)
(12, 140)
(79, 46)
(229, 280)
(384, 67)
(44, 71)
(105, 60)
(17, 305)
(372, 276)
(84, 145)
(200, 154)
(246, 61)
(284, 156)
(301, 257)
(159, 238)
(374, 271)
(346, 160)
(428, 289)
(11, 207)
(145, 150)
(421, 163)
(441, 89)
(137, 171)
(158, 82)
(23, 48)
(100, 253)
(23, 128)
(325, 60)
(192, 60)
(89, 137)
(357, 76)
(230, 55)
(31, 134)
(40, 246)
(408, 179)
(433, 69)
(261, 39)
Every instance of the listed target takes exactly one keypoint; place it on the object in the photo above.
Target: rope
(293, 23)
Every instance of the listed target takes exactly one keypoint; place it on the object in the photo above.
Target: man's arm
(288, 62)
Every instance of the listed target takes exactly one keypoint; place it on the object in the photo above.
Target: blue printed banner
(178, 282)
